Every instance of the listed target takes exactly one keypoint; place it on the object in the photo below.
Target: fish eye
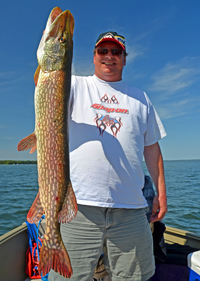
(62, 40)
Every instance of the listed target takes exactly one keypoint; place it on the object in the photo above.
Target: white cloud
(170, 109)
(9, 81)
(176, 77)
(8, 77)
(174, 109)
(134, 51)
(7, 138)
(2, 126)
(175, 92)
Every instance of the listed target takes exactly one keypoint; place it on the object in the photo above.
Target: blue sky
(163, 42)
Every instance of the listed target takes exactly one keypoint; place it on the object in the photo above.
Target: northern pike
(55, 197)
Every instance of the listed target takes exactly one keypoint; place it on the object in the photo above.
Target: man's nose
(110, 54)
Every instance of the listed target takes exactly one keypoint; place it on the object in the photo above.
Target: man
(112, 126)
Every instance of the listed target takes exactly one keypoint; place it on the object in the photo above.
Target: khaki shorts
(123, 235)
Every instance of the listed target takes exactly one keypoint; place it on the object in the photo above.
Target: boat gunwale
(12, 233)
(171, 235)
(182, 232)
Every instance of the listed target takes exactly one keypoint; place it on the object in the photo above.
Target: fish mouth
(56, 42)
(59, 24)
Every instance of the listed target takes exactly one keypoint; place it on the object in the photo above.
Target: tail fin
(56, 259)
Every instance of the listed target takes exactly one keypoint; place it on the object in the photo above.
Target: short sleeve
(155, 130)
(73, 82)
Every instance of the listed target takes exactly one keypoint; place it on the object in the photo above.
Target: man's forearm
(154, 162)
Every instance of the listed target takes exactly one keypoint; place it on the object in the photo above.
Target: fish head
(56, 46)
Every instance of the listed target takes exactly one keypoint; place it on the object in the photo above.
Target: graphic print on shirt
(107, 100)
(104, 121)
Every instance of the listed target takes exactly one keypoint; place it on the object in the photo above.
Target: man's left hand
(159, 208)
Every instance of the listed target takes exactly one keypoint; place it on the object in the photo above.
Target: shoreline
(17, 162)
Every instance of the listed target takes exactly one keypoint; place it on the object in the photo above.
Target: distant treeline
(11, 162)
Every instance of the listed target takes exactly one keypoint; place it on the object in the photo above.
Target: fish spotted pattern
(55, 197)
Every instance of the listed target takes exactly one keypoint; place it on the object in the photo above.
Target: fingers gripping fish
(55, 197)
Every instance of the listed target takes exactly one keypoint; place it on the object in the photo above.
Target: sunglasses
(115, 52)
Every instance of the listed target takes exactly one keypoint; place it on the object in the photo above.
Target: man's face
(108, 67)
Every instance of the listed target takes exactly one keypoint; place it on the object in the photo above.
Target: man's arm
(154, 162)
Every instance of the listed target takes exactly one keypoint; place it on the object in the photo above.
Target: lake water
(19, 186)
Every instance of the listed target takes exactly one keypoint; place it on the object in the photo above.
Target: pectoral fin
(27, 143)
(36, 210)
(36, 75)
(70, 207)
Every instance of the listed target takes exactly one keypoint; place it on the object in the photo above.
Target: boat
(14, 244)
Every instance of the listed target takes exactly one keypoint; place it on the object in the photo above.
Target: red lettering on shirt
(118, 110)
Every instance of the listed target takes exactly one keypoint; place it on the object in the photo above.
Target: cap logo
(108, 35)
(119, 38)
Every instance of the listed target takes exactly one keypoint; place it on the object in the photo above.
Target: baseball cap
(111, 36)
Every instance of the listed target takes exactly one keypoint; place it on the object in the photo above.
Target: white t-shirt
(110, 124)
